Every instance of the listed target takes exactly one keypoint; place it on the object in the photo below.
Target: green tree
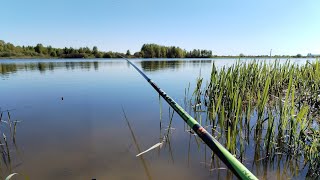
(147, 51)
(59, 52)
(128, 53)
(137, 54)
(81, 50)
(98, 55)
(39, 48)
(9, 47)
(108, 55)
(163, 52)
(87, 50)
(53, 54)
(2, 43)
(94, 50)
(49, 49)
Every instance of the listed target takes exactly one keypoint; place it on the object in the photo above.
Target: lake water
(72, 125)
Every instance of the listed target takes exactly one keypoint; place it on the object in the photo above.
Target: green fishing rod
(225, 156)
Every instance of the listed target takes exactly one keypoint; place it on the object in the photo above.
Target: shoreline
(218, 57)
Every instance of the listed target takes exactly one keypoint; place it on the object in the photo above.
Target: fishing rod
(225, 156)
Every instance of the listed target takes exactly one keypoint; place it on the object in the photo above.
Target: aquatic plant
(8, 129)
(275, 104)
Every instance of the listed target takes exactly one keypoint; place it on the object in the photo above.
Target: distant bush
(74, 55)
(107, 55)
(98, 55)
(5, 54)
(53, 54)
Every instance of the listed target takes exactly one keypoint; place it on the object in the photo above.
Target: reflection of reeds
(137, 146)
(7, 152)
(279, 102)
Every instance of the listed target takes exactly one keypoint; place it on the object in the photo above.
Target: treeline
(157, 51)
(8, 50)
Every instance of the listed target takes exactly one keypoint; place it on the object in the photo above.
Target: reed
(237, 168)
(276, 103)
(8, 131)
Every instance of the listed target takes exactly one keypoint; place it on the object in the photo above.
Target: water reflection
(145, 166)
(11, 68)
(278, 166)
(8, 68)
(147, 65)
(84, 136)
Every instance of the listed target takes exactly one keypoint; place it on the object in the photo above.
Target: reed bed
(273, 108)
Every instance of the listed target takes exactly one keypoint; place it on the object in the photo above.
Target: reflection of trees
(161, 65)
(96, 65)
(51, 66)
(42, 66)
(197, 63)
(145, 165)
(85, 65)
(69, 65)
(7, 68)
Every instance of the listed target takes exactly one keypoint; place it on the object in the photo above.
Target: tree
(107, 55)
(53, 54)
(137, 54)
(2, 42)
(128, 53)
(49, 49)
(98, 55)
(81, 50)
(299, 56)
(87, 50)
(94, 50)
(163, 52)
(39, 48)
(147, 51)
(10, 47)
(59, 52)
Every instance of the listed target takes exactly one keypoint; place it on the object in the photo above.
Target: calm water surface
(85, 135)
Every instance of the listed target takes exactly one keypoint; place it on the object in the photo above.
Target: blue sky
(225, 27)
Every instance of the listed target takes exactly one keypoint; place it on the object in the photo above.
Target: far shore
(215, 57)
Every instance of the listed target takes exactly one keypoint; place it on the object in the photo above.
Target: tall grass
(274, 104)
